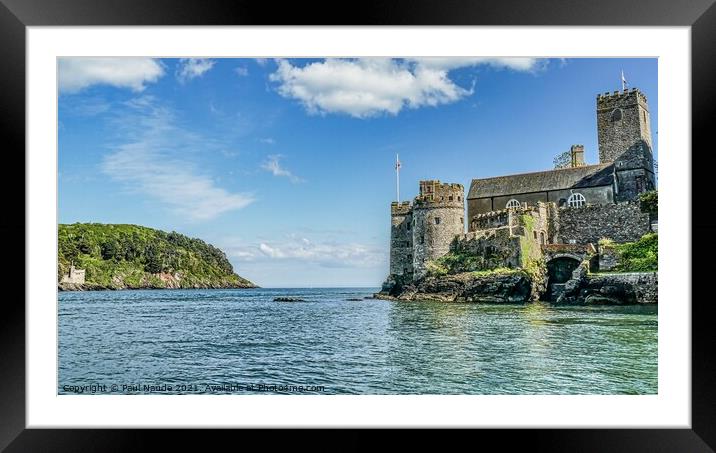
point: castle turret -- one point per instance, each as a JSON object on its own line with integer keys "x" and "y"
{"x": 438, "y": 216}
{"x": 401, "y": 240}
{"x": 622, "y": 120}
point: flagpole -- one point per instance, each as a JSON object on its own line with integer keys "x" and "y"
{"x": 397, "y": 177}
{"x": 623, "y": 81}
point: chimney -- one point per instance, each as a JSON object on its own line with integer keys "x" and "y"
{"x": 577, "y": 152}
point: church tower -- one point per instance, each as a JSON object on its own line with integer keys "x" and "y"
{"x": 622, "y": 121}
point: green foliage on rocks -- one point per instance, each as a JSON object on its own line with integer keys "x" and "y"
{"x": 436, "y": 268}
{"x": 638, "y": 256}
{"x": 496, "y": 271}
{"x": 649, "y": 202}
{"x": 455, "y": 263}
{"x": 131, "y": 256}
{"x": 528, "y": 221}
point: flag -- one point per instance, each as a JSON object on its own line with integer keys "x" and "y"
{"x": 397, "y": 163}
{"x": 624, "y": 82}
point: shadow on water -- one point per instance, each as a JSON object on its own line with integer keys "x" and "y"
{"x": 522, "y": 349}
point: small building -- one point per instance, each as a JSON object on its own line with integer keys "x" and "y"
{"x": 74, "y": 275}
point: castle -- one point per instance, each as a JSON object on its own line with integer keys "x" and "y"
{"x": 556, "y": 215}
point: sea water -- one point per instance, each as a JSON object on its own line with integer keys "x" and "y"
{"x": 240, "y": 341}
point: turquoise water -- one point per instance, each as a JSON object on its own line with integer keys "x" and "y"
{"x": 240, "y": 341}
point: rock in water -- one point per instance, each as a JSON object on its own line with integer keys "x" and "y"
{"x": 497, "y": 288}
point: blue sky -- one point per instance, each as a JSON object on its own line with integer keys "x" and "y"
{"x": 288, "y": 165}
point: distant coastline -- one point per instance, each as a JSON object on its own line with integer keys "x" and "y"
{"x": 95, "y": 257}
{"x": 96, "y": 287}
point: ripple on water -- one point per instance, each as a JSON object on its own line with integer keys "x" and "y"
{"x": 368, "y": 347}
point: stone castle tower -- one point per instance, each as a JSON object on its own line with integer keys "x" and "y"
{"x": 438, "y": 216}
{"x": 622, "y": 121}
{"x": 423, "y": 230}
{"x": 401, "y": 240}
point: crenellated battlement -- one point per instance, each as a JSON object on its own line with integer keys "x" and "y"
{"x": 434, "y": 193}
{"x": 400, "y": 208}
{"x": 621, "y": 99}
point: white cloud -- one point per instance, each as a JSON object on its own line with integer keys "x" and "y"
{"x": 191, "y": 68}
{"x": 241, "y": 71}
{"x": 367, "y": 87}
{"x": 267, "y": 140}
{"x": 273, "y": 165}
{"x": 324, "y": 253}
{"x": 450, "y": 63}
{"x": 77, "y": 73}
{"x": 153, "y": 162}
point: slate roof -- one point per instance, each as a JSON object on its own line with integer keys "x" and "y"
{"x": 565, "y": 178}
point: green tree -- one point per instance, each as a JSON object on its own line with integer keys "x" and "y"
{"x": 562, "y": 160}
{"x": 153, "y": 260}
{"x": 110, "y": 250}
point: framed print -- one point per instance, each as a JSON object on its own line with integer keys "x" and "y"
{"x": 235, "y": 223}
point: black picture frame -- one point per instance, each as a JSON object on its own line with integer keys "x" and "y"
{"x": 700, "y": 15}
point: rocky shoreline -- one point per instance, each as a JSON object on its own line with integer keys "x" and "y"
{"x": 173, "y": 285}
{"x": 632, "y": 288}
{"x": 584, "y": 288}
{"x": 509, "y": 288}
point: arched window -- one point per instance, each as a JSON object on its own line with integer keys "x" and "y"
{"x": 616, "y": 115}
{"x": 512, "y": 204}
{"x": 576, "y": 200}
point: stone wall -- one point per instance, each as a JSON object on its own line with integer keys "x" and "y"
{"x": 608, "y": 258}
{"x": 401, "y": 239}
{"x": 623, "y": 222}
{"x": 541, "y": 214}
{"x": 495, "y": 248}
{"x": 622, "y": 120}
{"x": 634, "y": 171}
{"x": 489, "y": 220}
{"x": 541, "y": 227}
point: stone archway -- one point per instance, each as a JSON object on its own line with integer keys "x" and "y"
{"x": 559, "y": 271}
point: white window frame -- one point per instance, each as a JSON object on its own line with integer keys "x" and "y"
{"x": 576, "y": 200}
{"x": 513, "y": 202}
